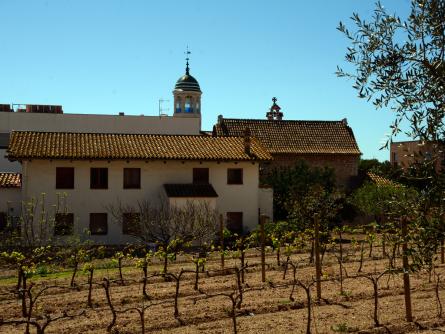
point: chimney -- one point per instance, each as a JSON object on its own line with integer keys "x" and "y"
{"x": 247, "y": 142}
{"x": 220, "y": 119}
{"x": 344, "y": 121}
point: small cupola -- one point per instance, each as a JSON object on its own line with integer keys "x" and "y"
{"x": 187, "y": 94}
{"x": 274, "y": 113}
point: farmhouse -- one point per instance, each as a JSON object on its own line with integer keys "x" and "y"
{"x": 98, "y": 170}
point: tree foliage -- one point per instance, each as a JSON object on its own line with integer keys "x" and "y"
{"x": 384, "y": 169}
{"x": 295, "y": 182}
{"x": 399, "y": 63}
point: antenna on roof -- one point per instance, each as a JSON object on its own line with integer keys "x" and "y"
{"x": 187, "y": 53}
{"x": 163, "y": 111}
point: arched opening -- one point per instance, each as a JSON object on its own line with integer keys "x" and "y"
{"x": 188, "y": 104}
{"x": 178, "y": 105}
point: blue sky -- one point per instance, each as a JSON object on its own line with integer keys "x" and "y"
{"x": 123, "y": 56}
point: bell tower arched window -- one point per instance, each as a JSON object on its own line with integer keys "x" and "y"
{"x": 178, "y": 105}
{"x": 188, "y": 105}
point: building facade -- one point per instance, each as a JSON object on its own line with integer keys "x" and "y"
{"x": 319, "y": 143}
{"x": 404, "y": 154}
{"x": 96, "y": 172}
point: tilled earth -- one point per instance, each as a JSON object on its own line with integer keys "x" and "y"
{"x": 266, "y": 307}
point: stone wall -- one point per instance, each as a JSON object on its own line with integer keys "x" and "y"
{"x": 345, "y": 165}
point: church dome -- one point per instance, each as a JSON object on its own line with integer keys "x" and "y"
{"x": 187, "y": 83}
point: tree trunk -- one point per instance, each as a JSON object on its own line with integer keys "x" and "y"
{"x": 311, "y": 256}
{"x": 144, "y": 282}
{"x": 317, "y": 256}
{"x": 286, "y": 266}
{"x": 176, "y": 298}
{"x": 90, "y": 288}
{"x": 308, "y": 296}
{"x": 376, "y": 302}
{"x": 235, "y": 330}
{"x": 119, "y": 261}
{"x": 341, "y": 245}
{"x": 221, "y": 239}
{"x": 263, "y": 249}
{"x": 19, "y": 279}
{"x": 23, "y": 294}
{"x": 439, "y": 303}
{"x": 240, "y": 286}
{"x": 165, "y": 266}
{"x": 362, "y": 252}
{"x": 242, "y": 264}
{"x": 384, "y": 245}
{"x": 106, "y": 286}
{"x": 341, "y": 275}
{"x": 406, "y": 283}
{"x": 442, "y": 252}
{"x": 73, "y": 276}
{"x": 195, "y": 287}
{"x": 141, "y": 315}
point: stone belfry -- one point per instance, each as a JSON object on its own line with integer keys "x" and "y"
{"x": 187, "y": 94}
{"x": 274, "y": 113}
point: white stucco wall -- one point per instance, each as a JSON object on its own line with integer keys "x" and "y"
{"x": 98, "y": 123}
{"x": 39, "y": 176}
{"x": 8, "y": 166}
{"x": 265, "y": 201}
{"x": 182, "y": 202}
{"x": 10, "y": 198}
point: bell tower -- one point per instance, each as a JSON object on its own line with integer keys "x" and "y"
{"x": 187, "y": 94}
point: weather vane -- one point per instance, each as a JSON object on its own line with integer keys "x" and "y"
{"x": 187, "y": 52}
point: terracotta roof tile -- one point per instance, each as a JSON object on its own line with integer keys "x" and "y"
{"x": 295, "y": 137}
{"x": 380, "y": 180}
{"x": 10, "y": 180}
{"x": 91, "y": 146}
{"x": 190, "y": 190}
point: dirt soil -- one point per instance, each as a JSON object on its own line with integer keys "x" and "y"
{"x": 266, "y": 308}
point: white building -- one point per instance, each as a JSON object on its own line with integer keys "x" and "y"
{"x": 97, "y": 170}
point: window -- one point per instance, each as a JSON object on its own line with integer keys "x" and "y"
{"x": 132, "y": 178}
{"x": 99, "y": 178}
{"x": 200, "y": 175}
{"x": 234, "y": 176}
{"x": 188, "y": 104}
{"x": 64, "y": 178}
{"x": 131, "y": 223}
{"x": 178, "y": 105}
{"x": 235, "y": 222}
{"x": 98, "y": 223}
{"x": 394, "y": 159}
{"x": 3, "y": 221}
{"x": 64, "y": 224}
